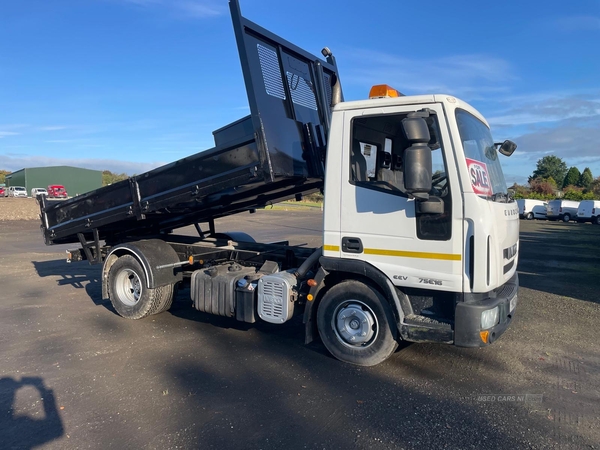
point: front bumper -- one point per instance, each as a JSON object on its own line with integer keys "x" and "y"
{"x": 467, "y": 323}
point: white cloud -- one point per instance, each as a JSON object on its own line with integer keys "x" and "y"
{"x": 8, "y": 129}
{"x": 569, "y": 139}
{"x": 578, "y": 23}
{"x": 182, "y": 9}
{"x": 143, "y": 2}
{"x": 544, "y": 110}
{"x": 464, "y": 75}
{"x": 196, "y": 9}
{"x": 15, "y": 162}
{"x": 53, "y": 128}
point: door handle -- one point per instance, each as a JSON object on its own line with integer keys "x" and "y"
{"x": 352, "y": 245}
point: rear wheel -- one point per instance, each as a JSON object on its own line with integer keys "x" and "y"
{"x": 128, "y": 292}
{"x": 567, "y": 218}
{"x": 355, "y": 324}
{"x": 597, "y": 220}
{"x": 529, "y": 216}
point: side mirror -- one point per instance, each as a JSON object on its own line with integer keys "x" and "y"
{"x": 417, "y": 158}
{"x": 507, "y": 147}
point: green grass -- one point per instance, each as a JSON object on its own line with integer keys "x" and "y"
{"x": 295, "y": 206}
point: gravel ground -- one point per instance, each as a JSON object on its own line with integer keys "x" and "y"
{"x": 29, "y": 209}
{"x": 75, "y": 375}
{"x": 19, "y": 209}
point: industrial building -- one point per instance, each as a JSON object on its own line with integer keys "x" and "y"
{"x": 75, "y": 180}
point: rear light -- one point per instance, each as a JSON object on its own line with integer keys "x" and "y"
{"x": 560, "y": 209}
{"x": 593, "y": 210}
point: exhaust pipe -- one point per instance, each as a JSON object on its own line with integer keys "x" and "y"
{"x": 336, "y": 86}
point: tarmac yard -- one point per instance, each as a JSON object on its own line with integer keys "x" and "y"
{"x": 73, "y": 374}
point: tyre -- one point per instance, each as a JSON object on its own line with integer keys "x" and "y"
{"x": 566, "y": 218}
{"x": 596, "y": 220}
{"x": 529, "y": 216}
{"x": 128, "y": 292}
{"x": 356, "y": 324}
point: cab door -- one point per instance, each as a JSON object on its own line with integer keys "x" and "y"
{"x": 379, "y": 222}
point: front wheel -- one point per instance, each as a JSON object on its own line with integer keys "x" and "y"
{"x": 566, "y": 218}
{"x": 355, "y": 323}
{"x": 128, "y": 292}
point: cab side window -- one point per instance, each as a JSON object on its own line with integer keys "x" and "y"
{"x": 378, "y": 145}
{"x": 376, "y": 157}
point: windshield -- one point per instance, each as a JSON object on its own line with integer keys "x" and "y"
{"x": 484, "y": 167}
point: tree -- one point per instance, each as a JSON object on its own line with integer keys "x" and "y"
{"x": 520, "y": 191}
{"x": 550, "y": 166}
{"x": 542, "y": 187}
{"x": 3, "y": 174}
{"x": 595, "y": 188}
{"x": 572, "y": 192}
{"x": 109, "y": 178}
{"x": 586, "y": 178}
{"x": 572, "y": 178}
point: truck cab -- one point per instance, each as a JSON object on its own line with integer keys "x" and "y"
{"x": 449, "y": 250}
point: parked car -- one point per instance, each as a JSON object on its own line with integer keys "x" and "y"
{"x": 35, "y": 192}
{"x": 565, "y": 210}
{"x": 589, "y": 211}
{"x": 3, "y": 192}
{"x": 57, "y": 191}
{"x": 531, "y": 209}
{"x": 17, "y": 191}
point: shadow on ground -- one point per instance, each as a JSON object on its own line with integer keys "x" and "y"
{"x": 18, "y": 429}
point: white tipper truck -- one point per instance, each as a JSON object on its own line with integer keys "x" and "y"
{"x": 420, "y": 236}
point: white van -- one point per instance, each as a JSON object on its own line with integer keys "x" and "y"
{"x": 565, "y": 210}
{"x": 589, "y": 211}
{"x": 35, "y": 192}
{"x": 17, "y": 191}
{"x": 531, "y": 209}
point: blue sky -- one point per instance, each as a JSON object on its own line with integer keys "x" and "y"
{"x": 128, "y": 85}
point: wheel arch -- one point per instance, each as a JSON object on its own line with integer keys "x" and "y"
{"x": 150, "y": 253}
{"x": 333, "y": 271}
{"x": 237, "y": 236}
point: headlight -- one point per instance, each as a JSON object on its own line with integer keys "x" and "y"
{"x": 489, "y": 318}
